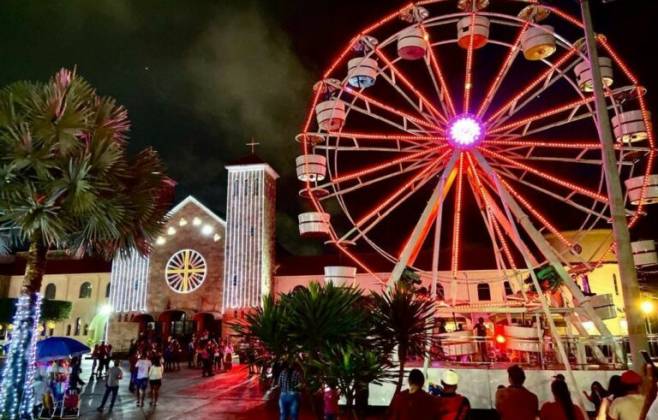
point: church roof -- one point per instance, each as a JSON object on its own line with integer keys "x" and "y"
{"x": 190, "y": 199}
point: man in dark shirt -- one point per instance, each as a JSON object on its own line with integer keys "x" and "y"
{"x": 515, "y": 402}
{"x": 414, "y": 403}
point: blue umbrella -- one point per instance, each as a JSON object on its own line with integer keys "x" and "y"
{"x": 53, "y": 348}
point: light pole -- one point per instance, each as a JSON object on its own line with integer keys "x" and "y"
{"x": 636, "y": 332}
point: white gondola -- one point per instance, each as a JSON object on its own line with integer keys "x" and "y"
{"x": 330, "y": 114}
{"x": 411, "y": 44}
{"x": 362, "y": 72}
{"x": 644, "y": 253}
{"x": 476, "y": 25}
{"x": 634, "y": 189}
{"x": 538, "y": 42}
{"x": 311, "y": 168}
{"x": 629, "y": 127}
{"x": 314, "y": 223}
{"x": 339, "y": 275}
{"x": 583, "y": 72}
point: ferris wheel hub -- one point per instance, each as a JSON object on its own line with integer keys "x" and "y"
{"x": 465, "y": 131}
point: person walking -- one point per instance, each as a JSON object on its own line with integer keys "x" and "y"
{"x": 289, "y": 386}
{"x": 155, "y": 380}
{"x": 452, "y": 406}
{"x": 562, "y": 408}
{"x": 142, "y": 366}
{"x": 94, "y": 357}
{"x": 114, "y": 375}
{"x": 76, "y": 371}
{"x": 515, "y": 402}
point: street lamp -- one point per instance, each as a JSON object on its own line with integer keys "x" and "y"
{"x": 647, "y": 308}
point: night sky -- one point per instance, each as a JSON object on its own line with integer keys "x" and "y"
{"x": 200, "y": 78}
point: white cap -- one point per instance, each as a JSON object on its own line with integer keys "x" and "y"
{"x": 450, "y": 377}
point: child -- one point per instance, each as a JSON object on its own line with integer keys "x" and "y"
{"x": 331, "y": 402}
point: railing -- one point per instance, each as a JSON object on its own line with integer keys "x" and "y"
{"x": 466, "y": 350}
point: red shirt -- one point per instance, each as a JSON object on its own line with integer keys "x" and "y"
{"x": 417, "y": 406}
{"x": 554, "y": 411}
{"x": 516, "y": 403}
{"x": 330, "y": 401}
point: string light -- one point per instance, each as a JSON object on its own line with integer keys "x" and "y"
{"x": 375, "y": 168}
{"x": 16, "y": 393}
{"x": 468, "y": 78}
{"x": 129, "y": 282}
{"x": 568, "y": 54}
{"x": 406, "y": 81}
{"x": 495, "y": 84}
{"x": 457, "y": 217}
{"x": 549, "y": 177}
{"x": 434, "y": 63}
{"x": 541, "y": 115}
{"x": 382, "y": 136}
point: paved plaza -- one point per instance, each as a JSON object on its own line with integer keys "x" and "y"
{"x": 184, "y": 395}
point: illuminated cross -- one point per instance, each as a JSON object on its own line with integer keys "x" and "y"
{"x": 187, "y": 271}
{"x": 253, "y": 145}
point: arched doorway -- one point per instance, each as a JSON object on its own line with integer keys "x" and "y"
{"x": 209, "y": 322}
{"x": 174, "y": 323}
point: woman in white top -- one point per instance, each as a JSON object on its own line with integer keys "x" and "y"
{"x": 155, "y": 379}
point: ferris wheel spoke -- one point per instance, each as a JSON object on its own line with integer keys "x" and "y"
{"x": 566, "y": 199}
{"x": 545, "y": 77}
{"x": 423, "y": 102}
{"x": 362, "y": 184}
{"x": 403, "y": 126}
{"x": 371, "y": 102}
{"x": 468, "y": 77}
{"x": 437, "y": 73}
{"x": 414, "y": 242}
{"x": 554, "y": 179}
{"x": 578, "y": 159}
{"x": 502, "y": 72}
{"x": 572, "y": 107}
{"x": 395, "y": 199}
{"x": 420, "y": 155}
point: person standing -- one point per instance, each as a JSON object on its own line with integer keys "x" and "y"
{"x": 228, "y": 354}
{"x": 452, "y": 406}
{"x": 414, "y": 403}
{"x": 114, "y": 375}
{"x": 155, "y": 380}
{"x": 515, "y": 402}
{"x": 142, "y": 366}
{"x": 330, "y": 399}
{"x": 628, "y": 407}
{"x": 598, "y": 394}
{"x": 94, "y": 357}
{"x": 288, "y": 384}
{"x": 562, "y": 408}
{"x": 481, "y": 334}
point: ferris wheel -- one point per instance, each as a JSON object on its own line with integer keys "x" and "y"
{"x": 446, "y": 115}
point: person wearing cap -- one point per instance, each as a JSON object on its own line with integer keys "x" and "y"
{"x": 452, "y": 406}
{"x": 515, "y": 402}
{"x": 414, "y": 403}
{"x": 628, "y": 407}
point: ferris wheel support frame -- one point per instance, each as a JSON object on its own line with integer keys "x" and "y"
{"x": 637, "y": 337}
{"x": 512, "y": 208}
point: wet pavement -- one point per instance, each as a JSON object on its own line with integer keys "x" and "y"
{"x": 184, "y": 395}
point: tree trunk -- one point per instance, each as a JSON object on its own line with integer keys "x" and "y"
{"x": 402, "y": 359}
{"x": 16, "y": 390}
{"x": 35, "y": 267}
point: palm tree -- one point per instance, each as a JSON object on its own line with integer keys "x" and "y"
{"x": 402, "y": 320}
{"x": 67, "y": 183}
